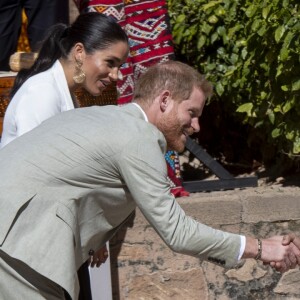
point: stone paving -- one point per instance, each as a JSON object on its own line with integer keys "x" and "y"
{"x": 143, "y": 267}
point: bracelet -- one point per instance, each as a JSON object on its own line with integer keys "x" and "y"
{"x": 258, "y": 256}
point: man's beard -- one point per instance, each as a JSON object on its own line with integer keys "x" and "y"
{"x": 171, "y": 129}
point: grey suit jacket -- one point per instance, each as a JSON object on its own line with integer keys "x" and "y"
{"x": 67, "y": 186}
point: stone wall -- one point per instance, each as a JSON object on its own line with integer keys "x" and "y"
{"x": 143, "y": 267}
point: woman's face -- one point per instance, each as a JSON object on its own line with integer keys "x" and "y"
{"x": 101, "y": 68}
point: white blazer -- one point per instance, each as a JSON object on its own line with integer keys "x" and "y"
{"x": 49, "y": 95}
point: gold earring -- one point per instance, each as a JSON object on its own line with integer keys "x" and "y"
{"x": 79, "y": 76}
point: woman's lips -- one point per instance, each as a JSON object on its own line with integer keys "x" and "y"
{"x": 103, "y": 84}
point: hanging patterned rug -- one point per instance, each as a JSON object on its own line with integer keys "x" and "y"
{"x": 147, "y": 26}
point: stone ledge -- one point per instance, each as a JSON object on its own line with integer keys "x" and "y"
{"x": 213, "y": 210}
{"x": 248, "y": 206}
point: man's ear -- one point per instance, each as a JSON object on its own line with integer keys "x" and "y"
{"x": 164, "y": 100}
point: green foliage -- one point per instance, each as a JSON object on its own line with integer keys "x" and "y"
{"x": 250, "y": 50}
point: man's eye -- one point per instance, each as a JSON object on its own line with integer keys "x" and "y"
{"x": 110, "y": 63}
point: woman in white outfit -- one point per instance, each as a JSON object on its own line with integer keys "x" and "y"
{"x": 87, "y": 54}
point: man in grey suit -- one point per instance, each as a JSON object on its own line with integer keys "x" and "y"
{"x": 68, "y": 185}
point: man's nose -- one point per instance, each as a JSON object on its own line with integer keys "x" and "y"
{"x": 196, "y": 125}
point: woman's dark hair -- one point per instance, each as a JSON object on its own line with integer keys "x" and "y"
{"x": 94, "y": 30}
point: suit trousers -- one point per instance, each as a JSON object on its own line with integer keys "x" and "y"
{"x": 19, "y": 281}
{"x": 41, "y": 14}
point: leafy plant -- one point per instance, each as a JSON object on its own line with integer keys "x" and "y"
{"x": 250, "y": 50}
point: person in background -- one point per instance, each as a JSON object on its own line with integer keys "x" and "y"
{"x": 291, "y": 237}
{"x": 87, "y": 54}
{"x": 41, "y": 14}
{"x": 69, "y": 184}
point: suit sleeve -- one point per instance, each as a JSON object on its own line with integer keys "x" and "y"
{"x": 143, "y": 169}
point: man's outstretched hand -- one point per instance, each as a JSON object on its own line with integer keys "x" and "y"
{"x": 292, "y": 260}
{"x": 280, "y": 252}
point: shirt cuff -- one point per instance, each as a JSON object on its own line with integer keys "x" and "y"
{"x": 243, "y": 245}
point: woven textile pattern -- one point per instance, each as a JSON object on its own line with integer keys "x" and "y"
{"x": 174, "y": 174}
{"x": 146, "y": 25}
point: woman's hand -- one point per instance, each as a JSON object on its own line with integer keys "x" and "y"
{"x": 99, "y": 257}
